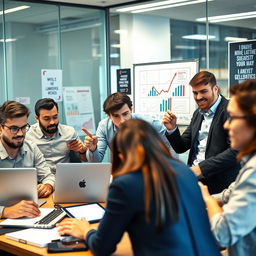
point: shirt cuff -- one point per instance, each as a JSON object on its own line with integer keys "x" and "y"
{"x": 169, "y": 132}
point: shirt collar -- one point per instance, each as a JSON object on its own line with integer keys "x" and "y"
{"x": 245, "y": 159}
{"x": 4, "y": 154}
{"x": 41, "y": 134}
{"x": 212, "y": 109}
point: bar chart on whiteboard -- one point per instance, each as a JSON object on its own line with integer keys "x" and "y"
{"x": 159, "y": 87}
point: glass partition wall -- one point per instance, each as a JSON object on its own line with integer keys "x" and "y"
{"x": 178, "y": 30}
{"x": 51, "y": 36}
{"x": 36, "y": 35}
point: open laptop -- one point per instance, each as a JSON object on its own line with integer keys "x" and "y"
{"x": 17, "y": 184}
{"x": 81, "y": 182}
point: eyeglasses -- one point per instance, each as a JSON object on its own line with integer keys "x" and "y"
{"x": 15, "y": 129}
{"x": 231, "y": 118}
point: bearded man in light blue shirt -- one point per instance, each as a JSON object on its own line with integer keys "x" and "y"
{"x": 58, "y": 142}
{"x": 118, "y": 107}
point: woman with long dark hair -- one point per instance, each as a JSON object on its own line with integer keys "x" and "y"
{"x": 232, "y": 217}
{"x": 153, "y": 197}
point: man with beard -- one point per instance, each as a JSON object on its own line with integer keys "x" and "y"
{"x": 210, "y": 157}
{"x": 15, "y": 151}
{"x": 58, "y": 142}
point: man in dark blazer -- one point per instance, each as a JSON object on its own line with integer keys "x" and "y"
{"x": 210, "y": 157}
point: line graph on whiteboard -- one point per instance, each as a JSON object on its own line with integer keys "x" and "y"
{"x": 160, "y": 87}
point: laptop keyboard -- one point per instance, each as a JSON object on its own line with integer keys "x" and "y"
{"x": 51, "y": 219}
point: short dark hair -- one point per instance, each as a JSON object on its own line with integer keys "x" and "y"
{"x": 45, "y": 103}
{"x": 116, "y": 101}
{"x": 203, "y": 78}
{"x": 12, "y": 109}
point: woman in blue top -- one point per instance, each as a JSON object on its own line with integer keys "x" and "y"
{"x": 232, "y": 216}
{"x": 153, "y": 197}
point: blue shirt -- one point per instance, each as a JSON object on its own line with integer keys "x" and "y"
{"x": 106, "y": 131}
{"x": 235, "y": 227}
{"x": 204, "y": 131}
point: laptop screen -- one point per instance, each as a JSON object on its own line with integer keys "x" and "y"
{"x": 81, "y": 182}
{"x": 17, "y": 184}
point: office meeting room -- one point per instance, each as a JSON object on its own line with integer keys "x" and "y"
{"x": 128, "y": 127}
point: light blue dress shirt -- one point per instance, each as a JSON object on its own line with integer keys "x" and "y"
{"x": 106, "y": 131}
{"x": 204, "y": 131}
{"x": 54, "y": 148}
{"x": 235, "y": 227}
{"x": 29, "y": 156}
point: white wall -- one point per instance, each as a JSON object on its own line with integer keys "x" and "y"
{"x": 143, "y": 39}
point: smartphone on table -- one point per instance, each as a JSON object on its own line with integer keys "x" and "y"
{"x": 67, "y": 244}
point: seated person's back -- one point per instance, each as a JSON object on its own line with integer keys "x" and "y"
{"x": 153, "y": 197}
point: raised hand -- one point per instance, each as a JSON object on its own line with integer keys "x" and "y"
{"x": 169, "y": 120}
{"x": 90, "y": 140}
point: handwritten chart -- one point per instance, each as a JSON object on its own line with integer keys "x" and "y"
{"x": 162, "y": 86}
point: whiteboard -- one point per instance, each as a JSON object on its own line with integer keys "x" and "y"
{"x": 162, "y": 86}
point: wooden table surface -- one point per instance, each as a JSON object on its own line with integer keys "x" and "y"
{"x": 17, "y": 248}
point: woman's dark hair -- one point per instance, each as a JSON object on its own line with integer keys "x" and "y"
{"x": 116, "y": 101}
{"x": 45, "y": 103}
{"x": 12, "y": 109}
{"x": 245, "y": 96}
{"x": 143, "y": 150}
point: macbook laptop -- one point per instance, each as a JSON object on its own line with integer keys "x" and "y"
{"x": 17, "y": 184}
{"x": 81, "y": 182}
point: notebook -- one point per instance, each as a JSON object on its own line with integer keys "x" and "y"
{"x": 81, "y": 182}
{"x": 36, "y": 237}
{"x": 17, "y": 184}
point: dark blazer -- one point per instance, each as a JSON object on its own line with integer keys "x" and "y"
{"x": 220, "y": 166}
{"x": 190, "y": 236}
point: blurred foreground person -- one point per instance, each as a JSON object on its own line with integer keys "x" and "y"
{"x": 153, "y": 197}
{"x": 233, "y": 215}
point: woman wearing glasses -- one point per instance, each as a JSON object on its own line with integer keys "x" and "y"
{"x": 232, "y": 216}
{"x": 153, "y": 197}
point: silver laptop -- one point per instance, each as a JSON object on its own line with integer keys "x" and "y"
{"x": 81, "y": 182}
{"x": 17, "y": 184}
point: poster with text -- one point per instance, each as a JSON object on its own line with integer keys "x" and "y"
{"x": 159, "y": 87}
{"x": 52, "y": 84}
{"x": 79, "y": 108}
{"x": 123, "y": 80}
{"x": 242, "y": 61}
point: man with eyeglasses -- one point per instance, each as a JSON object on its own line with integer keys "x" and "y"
{"x": 210, "y": 156}
{"x": 58, "y": 142}
{"x": 16, "y": 151}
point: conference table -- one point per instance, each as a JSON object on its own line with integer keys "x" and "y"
{"x": 17, "y": 248}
